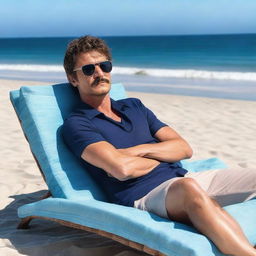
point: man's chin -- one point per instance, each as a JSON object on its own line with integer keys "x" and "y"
{"x": 102, "y": 92}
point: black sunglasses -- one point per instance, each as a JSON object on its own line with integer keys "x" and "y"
{"x": 88, "y": 70}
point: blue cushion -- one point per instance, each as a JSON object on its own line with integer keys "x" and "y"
{"x": 78, "y": 199}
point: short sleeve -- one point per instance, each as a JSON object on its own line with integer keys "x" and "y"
{"x": 78, "y": 133}
{"x": 154, "y": 123}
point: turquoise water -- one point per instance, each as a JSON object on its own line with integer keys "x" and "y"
{"x": 211, "y": 62}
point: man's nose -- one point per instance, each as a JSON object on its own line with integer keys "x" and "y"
{"x": 98, "y": 71}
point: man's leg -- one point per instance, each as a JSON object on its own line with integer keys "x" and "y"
{"x": 187, "y": 202}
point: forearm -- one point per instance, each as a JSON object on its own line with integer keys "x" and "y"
{"x": 136, "y": 166}
{"x": 166, "y": 151}
{"x": 117, "y": 164}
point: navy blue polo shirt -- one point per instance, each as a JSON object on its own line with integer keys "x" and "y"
{"x": 138, "y": 125}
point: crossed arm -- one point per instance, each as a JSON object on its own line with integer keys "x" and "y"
{"x": 139, "y": 160}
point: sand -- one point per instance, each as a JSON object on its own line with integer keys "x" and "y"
{"x": 213, "y": 127}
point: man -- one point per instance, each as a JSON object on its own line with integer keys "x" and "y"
{"x": 135, "y": 157}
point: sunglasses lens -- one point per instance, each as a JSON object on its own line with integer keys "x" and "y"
{"x": 106, "y": 66}
{"x": 88, "y": 69}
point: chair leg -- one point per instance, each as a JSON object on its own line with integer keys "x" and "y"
{"x": 24, "y": 224}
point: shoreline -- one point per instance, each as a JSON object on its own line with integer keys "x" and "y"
{"x": 222, "y": 128}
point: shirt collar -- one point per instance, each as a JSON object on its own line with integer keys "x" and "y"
{"x": 119, "y": 105}
{"x": 91, "y": 112}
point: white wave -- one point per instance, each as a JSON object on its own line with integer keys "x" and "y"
{"x": 32, "y": 68}
{"x": 175, "y": 73}
{"x": 187, "y": 73}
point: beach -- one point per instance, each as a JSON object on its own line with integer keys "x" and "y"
{"x": 222, "y": 128}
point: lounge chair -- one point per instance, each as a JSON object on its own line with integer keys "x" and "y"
{"x": 75, "y": 200}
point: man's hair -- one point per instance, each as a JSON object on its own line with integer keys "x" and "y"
{"x": 83, "y": 44}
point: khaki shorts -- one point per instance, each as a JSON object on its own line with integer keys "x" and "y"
{"x": 225, "y": 186}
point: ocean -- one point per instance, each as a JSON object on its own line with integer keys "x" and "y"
{"x": 222, "y": 66}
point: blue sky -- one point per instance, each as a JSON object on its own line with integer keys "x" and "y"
{"x": 40, "y": 18}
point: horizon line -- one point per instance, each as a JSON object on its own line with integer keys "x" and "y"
{"x": 149, "y": 35}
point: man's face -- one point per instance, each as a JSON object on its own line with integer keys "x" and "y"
{"x": 98, "y": 84}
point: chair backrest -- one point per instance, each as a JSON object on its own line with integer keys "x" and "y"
{"x": 41, "y": 110}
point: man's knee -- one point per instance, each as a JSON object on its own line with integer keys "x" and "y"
{"x": 184, "y": 195}
{"x": 189, "y": 192}
{"x": 186, "y": 186}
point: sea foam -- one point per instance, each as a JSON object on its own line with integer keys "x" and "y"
{"x": 187, "y": 73}
{"x": 176, "y": 73}
{"x": 32, "y": 68}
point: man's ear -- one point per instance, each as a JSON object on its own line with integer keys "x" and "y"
{"x": 72, "y": 80}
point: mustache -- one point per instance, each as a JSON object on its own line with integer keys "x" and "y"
{"x": 100, "y": 79}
